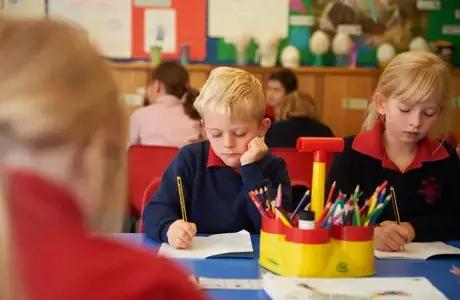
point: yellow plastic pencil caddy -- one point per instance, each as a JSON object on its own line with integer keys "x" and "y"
{"x": 340, "y": 251}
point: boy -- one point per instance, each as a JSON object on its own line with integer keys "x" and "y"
{"x": 218, "y": 174}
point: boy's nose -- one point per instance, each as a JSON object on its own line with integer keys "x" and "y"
{"x": 229, "y": 142}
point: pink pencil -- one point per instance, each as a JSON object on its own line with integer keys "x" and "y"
{"x": 278, "y": 199}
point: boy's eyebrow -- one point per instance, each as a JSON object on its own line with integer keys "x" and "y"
{"x": 237, "y": 128}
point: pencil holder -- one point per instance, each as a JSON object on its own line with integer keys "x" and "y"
{"x": 271, "y": 244}
{"x": 306, "y": 252}
{"x": 338, "y": 252}
{"x": 353, "y": 251}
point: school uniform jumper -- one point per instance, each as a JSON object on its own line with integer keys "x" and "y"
{"x": 284, "y": 133}
{"x": 216, "y": 196}
{"x": 57, "y": 257}
{"x": 427, "y": 192}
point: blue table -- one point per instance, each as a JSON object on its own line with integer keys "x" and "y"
{"x": 437, "y": 270}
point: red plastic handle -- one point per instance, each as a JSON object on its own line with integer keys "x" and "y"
{"x": 327, "y": 145}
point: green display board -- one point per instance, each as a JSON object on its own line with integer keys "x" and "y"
{"x": 447, "y": 15}
{"x": 299, "y": 36}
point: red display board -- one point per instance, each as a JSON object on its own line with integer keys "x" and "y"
{"x": 190, "y": 29}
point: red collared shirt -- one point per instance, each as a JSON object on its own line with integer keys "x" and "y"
{"x": 59, "y": 259}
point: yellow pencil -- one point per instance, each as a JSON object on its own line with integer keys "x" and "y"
{"x": 395, "y": 207}
{"x": 181, "y": 198}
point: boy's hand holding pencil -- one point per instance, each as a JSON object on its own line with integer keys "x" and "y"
{"x": 181, "y": 233}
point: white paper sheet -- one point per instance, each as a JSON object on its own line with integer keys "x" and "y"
{"x": 208, "y": 246}
{"x": 229, "y": 284}
{"x": 107, "y": 22}
{"x": 160, "y": 22}
{"x": 414, "y": 288}
{"x": 420, "y": 251}
{"x": 227, "y": 18}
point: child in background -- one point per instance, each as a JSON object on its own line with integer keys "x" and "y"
{"x": 295, "y": 112}
{"x": 63, "y": 145}
{"x": 411, "y": 97}
{"x": 217, "y": 175}
{"x": 296, "y": 121}
{"x": 169, "y": 120}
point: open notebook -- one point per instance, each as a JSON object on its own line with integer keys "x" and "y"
{"x": 391, "y": 288}
{"x": 236, "y": 244}
{"x": 420, "y": 251}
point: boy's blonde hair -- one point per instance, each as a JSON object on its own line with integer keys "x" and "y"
{"x": 413, "y": 77}
{"x": 233, "y": 92}
{"x": 56, "y": 90}
{"x": 296, "y": 104}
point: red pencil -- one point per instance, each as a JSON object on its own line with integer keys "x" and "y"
{"x": 256, "y": 202}
{"x": 331, "y": 192}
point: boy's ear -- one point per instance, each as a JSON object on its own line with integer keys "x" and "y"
{"x": 264, "y": 126}
{"x": 202, "y": 123}
{"x": 380, "y": 103}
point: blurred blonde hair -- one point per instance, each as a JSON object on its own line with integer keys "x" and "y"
{"x": 232, "y": 92}
{"x": 56, "y": 90}
{"x": 296, "y": 104}
{"x": 413, "y": 77}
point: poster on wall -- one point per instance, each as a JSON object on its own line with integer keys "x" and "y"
{"x": 160, "y": 29}
{"x": 23, "y": 8}
{"x": 108, "y": 23}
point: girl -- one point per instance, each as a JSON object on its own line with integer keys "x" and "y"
{"x": 170, "y": 119}
{"x": 62, "y": 150}
{"x": 412, "y": 96}
{"x": 295, "y": 112}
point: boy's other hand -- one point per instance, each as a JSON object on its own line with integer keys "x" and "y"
{"x": 392, "y": 237}
{"x": 180, "y": 234}
{"x": 257, "y": 149}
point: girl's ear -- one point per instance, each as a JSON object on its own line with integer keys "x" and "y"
{"x": 381, "y": 103}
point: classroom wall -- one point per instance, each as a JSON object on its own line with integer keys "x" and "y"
{"x": 104, "y": 22}
{"x": 342, "y": 94}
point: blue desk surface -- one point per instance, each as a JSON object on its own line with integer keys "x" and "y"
{"x": 437, "y": 270}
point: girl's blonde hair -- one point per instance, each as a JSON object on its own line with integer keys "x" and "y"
{"x": 56, "y": 90}
{"x": 296, "y": 104}
{"x": 414, "y": 77}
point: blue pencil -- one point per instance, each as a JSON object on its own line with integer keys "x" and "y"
{"x": 331, "y": 212}
{"x": 301, "y": 203}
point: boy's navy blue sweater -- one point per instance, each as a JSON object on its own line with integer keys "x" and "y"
{"x": 216, "y": 196}
{"x": 427, "y": 192}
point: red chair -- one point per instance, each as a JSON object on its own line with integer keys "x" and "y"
{"x": 146, "y": 164}
{"x": 299, "y": 164}
{"x": 148, "y": 193}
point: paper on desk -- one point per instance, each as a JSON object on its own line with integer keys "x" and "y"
{"x": 409, "y": 288}
{"x": 203, "y": 247}
{"x": 419, "y": 251}
{"x": 229, "y": 284}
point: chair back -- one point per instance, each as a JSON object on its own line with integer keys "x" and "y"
{"x": 146, "y": 163}
{"x": 299, "y": 164}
